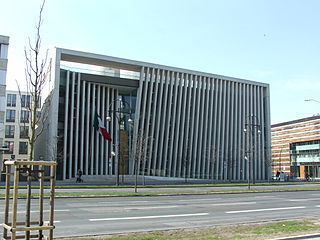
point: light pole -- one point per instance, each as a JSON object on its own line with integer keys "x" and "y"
{"x": 311, "y": 100}
{"x": 118, "y": 114}
{"x": 251, "y": 127}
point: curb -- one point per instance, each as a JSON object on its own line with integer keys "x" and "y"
{"x": 307, "y": 236}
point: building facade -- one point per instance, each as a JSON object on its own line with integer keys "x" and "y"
{"x": 17, "y": 125}
{"x": 4, "y": 44}
{"x": 296, "y": 148}
{"x": 163, "y": 121}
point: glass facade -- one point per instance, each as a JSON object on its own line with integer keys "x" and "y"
{"x": 305, "y": 159}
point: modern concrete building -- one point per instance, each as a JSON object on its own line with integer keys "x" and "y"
{"x": 172, "y": 122}
{"x": 4, "y": 44}
{"x": 17, "y": 125}
{"x": 296, "y": 147}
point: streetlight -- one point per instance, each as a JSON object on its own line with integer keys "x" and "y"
{"x": 251, "y": 124}
{"x": 118, "y": 114}
{"x": 311, "y": 100}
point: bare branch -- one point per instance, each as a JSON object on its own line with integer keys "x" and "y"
{"x": 36, "y": 77}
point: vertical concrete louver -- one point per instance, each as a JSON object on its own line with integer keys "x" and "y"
{"x": 196, "y": 122}
{"x": 192, "y": 123}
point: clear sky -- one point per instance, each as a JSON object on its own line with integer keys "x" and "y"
{"x": 271, "y": 41}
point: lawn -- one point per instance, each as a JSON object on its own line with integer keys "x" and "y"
{"x": 253, "y": 231}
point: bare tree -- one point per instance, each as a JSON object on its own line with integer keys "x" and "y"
{"x": 140, "y": 155}
{"x": 36, "y": 77}
{"x": 212, "y": 155}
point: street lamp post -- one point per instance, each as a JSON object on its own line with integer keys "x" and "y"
{"x": 251, "y": 125}
{"x": 312, "y": 100}
{"x": 118, "y": 114}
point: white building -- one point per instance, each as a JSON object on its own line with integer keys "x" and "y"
{"x": 17, "y": 125}
{"x": 189, "y": 124}
{"x": 4, "y": 44}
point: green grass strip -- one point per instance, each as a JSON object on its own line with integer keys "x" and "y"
{"x": 155, "y": 193}
{"x": 252, "y": 231}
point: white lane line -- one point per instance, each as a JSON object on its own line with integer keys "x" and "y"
{"x": 57, "y": 210}
{"x": 193, "y": 200}
{"x": 147, "y": 217}
{"x": 265, "y": 209}
{"x": 144, "y": 208}
{"x": 115, "y": 203}
{"x": 317, "y": 205}
{"x": 235, "y": 203}
{"x": 304, "y": 200}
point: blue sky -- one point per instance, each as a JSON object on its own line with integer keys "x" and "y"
{"x": 271, "y": 41}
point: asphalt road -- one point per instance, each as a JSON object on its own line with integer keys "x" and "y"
{"x": 94, "y": 216}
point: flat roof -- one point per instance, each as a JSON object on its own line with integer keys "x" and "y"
{"x": 306, "y": 119}
{"x": 132, "y": 65}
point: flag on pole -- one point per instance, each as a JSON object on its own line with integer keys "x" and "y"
{"x": 98, "y": 125}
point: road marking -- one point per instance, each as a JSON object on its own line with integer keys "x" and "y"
{"x": 139, "y": 208}
{"x": 318, "y": 206}
{"x": 230, "y": 204}
{"x": 148, "y": 217}
{"x": 304, "y": 200}
{"x": 110, "y": 203}
{"x": 192, "y": 200}
{"x": 56, "y": 210}
{"x": 265, "y": 209}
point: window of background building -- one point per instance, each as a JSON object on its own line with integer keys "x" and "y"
{"x": 10, "y": 145}
{"x": 39, "y": 103}
{"x": 24, "y": 116}
{"x": 38, "y": 115}
{"x": 25, "y": 101}
{"x": 24, "y": 132}
{"x": 10, "y": 115}
{"x": 3, "y": 50}
{"x": 9, "y": 131}
{"x": 23, "y": 148}
{"x": 11, "y": 100}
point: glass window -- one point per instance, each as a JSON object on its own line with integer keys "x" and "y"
{"x": 3, "y": 51}
{"x": 38, "y": 115}
{"x": 24, "y": 116}
{"x": 24, "y": 132}
{"x": 39, "y": 103}
{"x": 25, "y": 101}
{"x": 23, "y": 148}
{"x": 9, "y": 131}
{"x": 10, "y": 145}
{"x": 11, "y": 100}
{"x": 10, "y": 115}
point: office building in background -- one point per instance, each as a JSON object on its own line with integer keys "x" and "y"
{"x": 4, "y": 44}
{"x": 296, "y": 148}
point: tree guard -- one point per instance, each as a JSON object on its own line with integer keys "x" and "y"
{"x": 34, "y": 226}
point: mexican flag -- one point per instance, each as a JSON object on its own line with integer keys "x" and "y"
{"x": 98, "y": 125}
